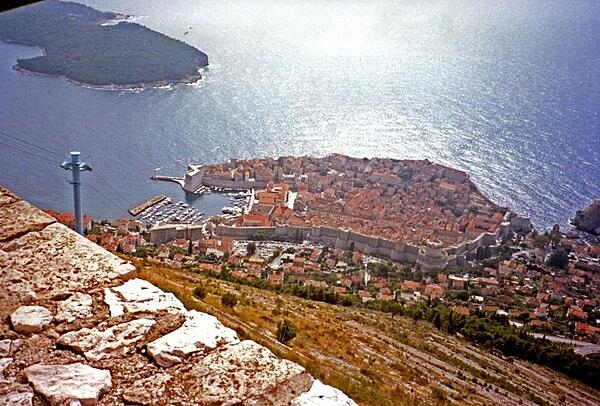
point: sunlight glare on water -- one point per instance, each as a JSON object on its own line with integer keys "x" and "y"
{"x": 506, "y": 90}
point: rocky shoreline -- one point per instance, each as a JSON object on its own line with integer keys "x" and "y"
{"x": 188, "y": 80}
{"x": 99, "y": 50}
{"x": 588, "y": 219}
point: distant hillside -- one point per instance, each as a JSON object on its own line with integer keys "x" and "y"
{"x": 379, "y": 358}
{"x": 80, "y": 49}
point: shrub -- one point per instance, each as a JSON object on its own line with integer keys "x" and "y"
{"x": 200, "y": 292}
{"x": 229, "y": 300}
{"x": 286, "y": 331}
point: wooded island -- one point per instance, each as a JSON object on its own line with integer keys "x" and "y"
{"x": 81, "y": 48}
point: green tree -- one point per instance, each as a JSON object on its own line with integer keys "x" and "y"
{"x": 251, "y": 248}
{"x": 541, "y": 240}
{"x": 558, "y": 259}
{"x": 286, "y": 331}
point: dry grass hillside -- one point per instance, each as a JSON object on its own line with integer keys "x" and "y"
{"x": 375, "y": 359}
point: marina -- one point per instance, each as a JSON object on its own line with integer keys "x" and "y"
{"x": 168, "y": 211}
{"x": 240, "y": 202}
{"x": 160, "y": 210}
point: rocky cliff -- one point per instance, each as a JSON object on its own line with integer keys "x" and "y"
{"x": 78, "y": 327}
{"x": 588, "y": 220}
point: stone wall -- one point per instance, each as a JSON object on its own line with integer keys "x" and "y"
{"x": 78, "y": 327}
{"x": 398, "y": 251}
{"x": 170, "y": 232}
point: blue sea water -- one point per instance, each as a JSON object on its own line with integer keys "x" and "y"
{"x": 507, "y": 90}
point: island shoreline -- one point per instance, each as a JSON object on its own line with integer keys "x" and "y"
{"x": 164, "y": 61}
{"x": 112, "y": 86}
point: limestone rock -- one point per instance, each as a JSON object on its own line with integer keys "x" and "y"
{"x": 7, "y": 197}
{"x": 323, "y": 395}
{"x": 78, "y": 306}
{"x": 200, "y": 332}
{"x": 112, "y": 342}
{"x": 4, "y": 347}
{"x": 30, "y": 319}
{"x": 9, "y": 347}
{"x": 67, "y": 384}
{"x": 19, "y": 218}
{"x": 245, "y": 373}
{"x": 588, "y": 220}
{"x": 137, "y": 295}
{"x": 147, "y": 391}
{"x": 15, "y": 394}
{"x": 4, "y": 362}
{"x": 58, "y": 259}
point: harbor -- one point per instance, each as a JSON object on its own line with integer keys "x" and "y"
{"x": 167, "y": 211}
{"x": 138, "y": 209}
{"x": 240, "y": 200}
{"x": 161, "y": 210}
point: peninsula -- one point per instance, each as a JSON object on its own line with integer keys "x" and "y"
{"x": 98, "y": 49}
{"x": 412, "y": 211}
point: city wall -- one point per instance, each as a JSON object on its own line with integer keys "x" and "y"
{"x": 170, "y": 232}
{"x": 195, "y": 177}
{"x": 346, "y": 239}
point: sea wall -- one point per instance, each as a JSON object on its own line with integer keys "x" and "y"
{"x": 195, "y": 177}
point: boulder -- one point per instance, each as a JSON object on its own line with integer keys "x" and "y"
{"x": 30, "y": 319}
{"x": 200, "y": 332}
{"x": 78, "y": 306}
{"x": 9, "y": 347}
{"x": 243, "y": 373}
{"x": 115, "y": 341}
{"x": 588, "y": 219}
{"x": 323, "y": 395}
{"x": 19, "y": 217}
{"x": 137, "y": 295}
{"x": 4, "y": 362}
{"x": 5, "y": 347}
{"x": 57, "y": 259}
{"x": 69, "y": 384}
{"x": 15, "y": 394}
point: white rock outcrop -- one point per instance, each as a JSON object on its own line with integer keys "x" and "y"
{"x": 246, "y": 373}
{"x": 323, "y": 395}
{"x": 5, "y": 347}
{"x": 44, "y": 263}
{"x": 77, "y": 306}
{"x": 200, "y": 332}
{"x": 69, "y": 384}
{"x": 4, "y": 362}
{"x": 15, "y": 394}
{"x": 115, "y": 341}
{"x": 30, "y": 319}
{"x": 137, "y": 295}
{"x": 56, "y": 259}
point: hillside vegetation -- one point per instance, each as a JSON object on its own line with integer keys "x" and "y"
{"x": 375, "y": 358}
{"x": 79, "y": 48}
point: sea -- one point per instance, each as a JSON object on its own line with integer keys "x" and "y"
{"x": 507, "y": 90}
